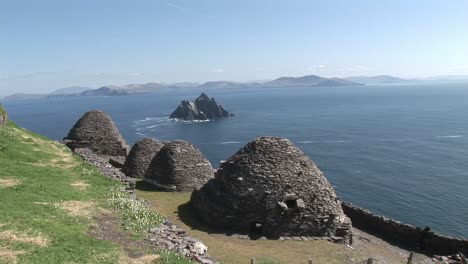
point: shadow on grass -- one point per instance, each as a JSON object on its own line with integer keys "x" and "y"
{"x": 144, "y": 186}
{"x": 184, "y": 211}
{"x": 189, "y": 217}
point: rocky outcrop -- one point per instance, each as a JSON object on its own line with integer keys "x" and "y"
{"x": 3, "y": 117}
{"x": 179, "y": 166}
{"x": 271, "y": 188}
{"x": 203, "y": 108}
{"x": 96, "y": 131}
{"x": 210, "y": 108}
{"x": 188, "y": 111}
{"x": 140, "y": 156}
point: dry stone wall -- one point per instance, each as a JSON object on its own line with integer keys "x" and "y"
{"x": 409, "y": 236}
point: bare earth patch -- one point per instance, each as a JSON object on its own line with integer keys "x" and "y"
{"x": 9, "y": 255}
{"x": 38, "y": 240}
{"x": 108, "y": 226}
{"x": 80, "y": 185}
{"x": 145, "y": 259}
{"x": 77, "y": 208}
{"x": 65, "y": 161}
{"x": 9, "y": 182}
{"x": 65, "y": 157}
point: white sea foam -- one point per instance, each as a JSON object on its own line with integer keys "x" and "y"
{"x": 188, "y": 121}
{"x": 229, "y": 142}
{"x": 452, "y": 136}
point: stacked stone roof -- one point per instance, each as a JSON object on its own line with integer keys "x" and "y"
{"x": 96, "y": 130}
{"x": 140, "y": 156}
{"x": 271, "y": 188}
{"x": 179, "y": 166}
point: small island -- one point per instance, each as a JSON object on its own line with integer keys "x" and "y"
{"x": 203, "y": 108}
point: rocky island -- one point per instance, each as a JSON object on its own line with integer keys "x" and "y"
{"x": 203, "y": 108}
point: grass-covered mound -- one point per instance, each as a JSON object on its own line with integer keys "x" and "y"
{"x": 56, "y": 209}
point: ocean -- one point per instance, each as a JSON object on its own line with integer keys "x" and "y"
{"x": 400, "y": 151}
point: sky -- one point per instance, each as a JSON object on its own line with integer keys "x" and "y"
{"x": 50, "y": 44}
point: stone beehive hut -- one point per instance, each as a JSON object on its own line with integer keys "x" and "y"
{"x": 271, "y": 188}
{"x": 140, "y": 156}
{"x": 97, "y": 131}
{"x": 179, "y": 166}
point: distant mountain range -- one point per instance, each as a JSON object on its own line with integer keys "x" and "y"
{"x": 304, "y": 81}
{"x": 380, "y": 79}
{"x": 113, "y": 90}
{"x": 283, "y": 82}
{"x": 69, "y": 90}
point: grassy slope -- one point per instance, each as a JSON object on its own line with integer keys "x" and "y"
{"x": 44, "y": 171}
{"x": 40, "y": 182}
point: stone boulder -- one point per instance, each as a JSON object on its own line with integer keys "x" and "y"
{"x": 140, "y": 156}
{"x": 179, "y": 166}
{"x": 271, "y": 188}
{"x": 3, "y": 116}
{"x": 96, "y": 130}
{"x": 204, "y": 108}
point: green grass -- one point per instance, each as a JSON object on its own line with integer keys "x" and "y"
{"x": 27, "y": 209}
{"x": 136, "y": 215}
{"x": 169, "y": 257}
{"x": 36, "y": 177}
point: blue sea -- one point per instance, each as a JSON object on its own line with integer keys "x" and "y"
{"x": 400, "y": 151}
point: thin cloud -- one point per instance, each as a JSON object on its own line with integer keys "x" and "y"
{"x": 173, "y": 6}
{"x": 218, "y": 70}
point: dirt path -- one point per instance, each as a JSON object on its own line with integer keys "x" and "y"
{"x": 109, "y": 227}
